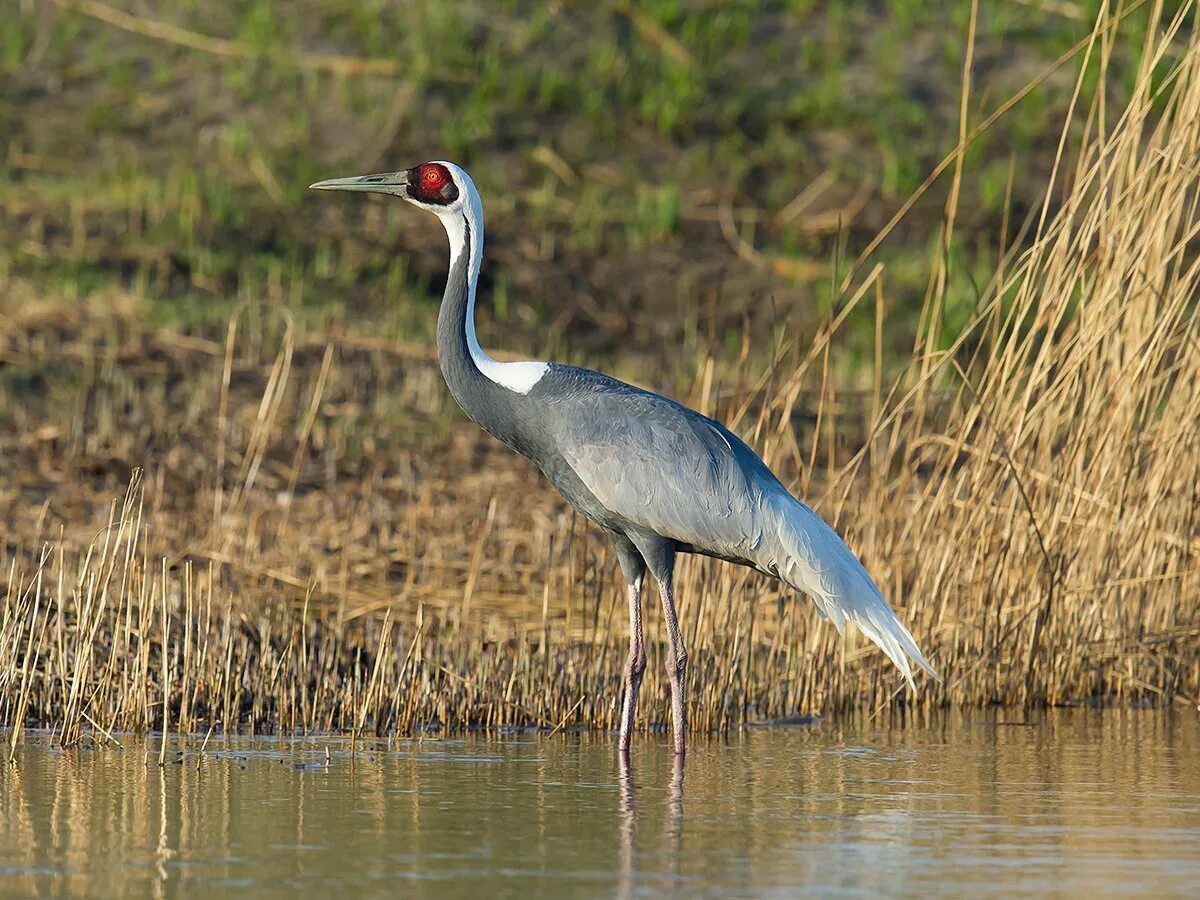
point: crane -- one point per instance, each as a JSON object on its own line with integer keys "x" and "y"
{"x": 658, "y": 478}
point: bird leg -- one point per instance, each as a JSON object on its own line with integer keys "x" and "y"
{"x": 635, "y": 665}
{"x": 676, "y": 666}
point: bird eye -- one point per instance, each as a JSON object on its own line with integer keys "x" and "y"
{"x": 432, "y": 183}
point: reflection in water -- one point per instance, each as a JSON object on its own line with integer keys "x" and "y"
{"x": 629, "y": 823}
{"x": 1079, "y": 802}
{"x": 163, "y": 852}
{"x": 673, "y": 818}
{"x": 628, "y": 826}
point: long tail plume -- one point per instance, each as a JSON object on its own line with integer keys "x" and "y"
{"x": 810, "y": 556}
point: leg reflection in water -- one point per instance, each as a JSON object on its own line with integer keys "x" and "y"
{"x": 628, "y": 826}
{"x": 672, "y": 824}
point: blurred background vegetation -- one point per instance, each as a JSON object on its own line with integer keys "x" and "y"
{"x": 732, "y": 203}
{"x": 687, "y": 173}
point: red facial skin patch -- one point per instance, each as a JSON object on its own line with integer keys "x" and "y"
{"x": 432, "y": 184}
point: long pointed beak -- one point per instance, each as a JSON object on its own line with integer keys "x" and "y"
{"x": 386, "y": 183}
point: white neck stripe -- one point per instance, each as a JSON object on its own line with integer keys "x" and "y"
{"x": 463, "y": 219}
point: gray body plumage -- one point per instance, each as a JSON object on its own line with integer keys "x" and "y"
{"x": 643, "y": 466}
{"x": 658, "y": 477}
{"x": 648, "y": 469}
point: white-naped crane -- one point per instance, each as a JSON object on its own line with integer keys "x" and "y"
{"x": 657, "y": 477}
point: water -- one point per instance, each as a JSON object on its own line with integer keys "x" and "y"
{"x": 1079, "y": 802}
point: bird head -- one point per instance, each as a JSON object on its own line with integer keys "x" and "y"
{"x": 440, "y": 187}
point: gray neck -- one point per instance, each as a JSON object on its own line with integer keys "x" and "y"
{"x": 485, "y": 401}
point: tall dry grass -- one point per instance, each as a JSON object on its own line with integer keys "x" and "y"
{"x": 1028, "y": 498}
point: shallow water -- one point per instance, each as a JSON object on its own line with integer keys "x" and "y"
{"x": 1075, "y": 802}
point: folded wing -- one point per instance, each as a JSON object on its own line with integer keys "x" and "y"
{"x": 683, "y": 476}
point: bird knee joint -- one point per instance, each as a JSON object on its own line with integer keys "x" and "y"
{"x": 679, "y": 663}
{"x": 636, "y": 664}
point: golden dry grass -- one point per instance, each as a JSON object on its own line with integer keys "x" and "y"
{"x": 314, "y": 544}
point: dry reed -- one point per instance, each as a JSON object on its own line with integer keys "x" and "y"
{"x": 295, "y": 556}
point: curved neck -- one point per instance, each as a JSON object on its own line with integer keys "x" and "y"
{"x": 485, "y": 388}
{"x": 490, "y": 392}
{"x": 457, "y": 314}
{"x": 458, "y": 348}
{"x": 464, "y": 228}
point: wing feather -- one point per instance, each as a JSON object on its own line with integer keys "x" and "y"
{"x": 666, "y": 469}
{"x": 681, "y": 475}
